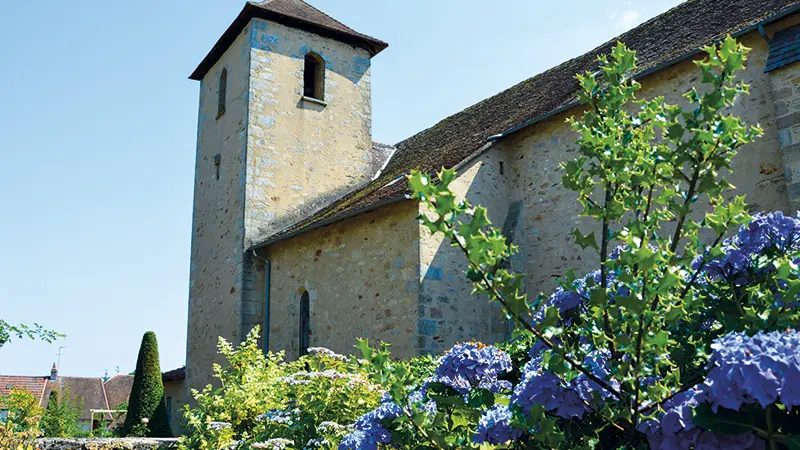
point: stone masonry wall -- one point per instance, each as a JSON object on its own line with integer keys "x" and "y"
{"x": 785, "y": 84}
{"x": 362, "y": 278}
{"x": 218, "y": 219}
{"x": 302, "y": 154}
{"x": 448, "y": 311}
{"x": 526, "y": 197}
{"x": 551, "y": 211}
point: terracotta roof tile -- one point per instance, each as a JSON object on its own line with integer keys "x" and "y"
{"x": 663, "y": 40}
{"x": 34, "y": 385}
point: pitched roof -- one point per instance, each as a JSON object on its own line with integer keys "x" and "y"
{"x": 118, "y": 390}
{"x": 34, "y": 385}
{"x": 88, "y": 390}
{"x": 662, "y": 41}
{"x": 174, "y": 375}
{"x": 293, "y": 13}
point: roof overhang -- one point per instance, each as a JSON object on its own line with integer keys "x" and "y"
{"x": 251, "y": 11}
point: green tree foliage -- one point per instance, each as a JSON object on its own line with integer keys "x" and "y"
{"x": 19, "y": 427}
{"x": 263, "y": 398}
{"x": 62, "y": 418}
{"x": 8, "y": 331}
{"x": 147, "y": 408}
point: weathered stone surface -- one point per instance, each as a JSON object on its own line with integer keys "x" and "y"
{"x": 106, "y": 444}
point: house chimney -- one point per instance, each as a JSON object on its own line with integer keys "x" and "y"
{"x": 53, "y": 373}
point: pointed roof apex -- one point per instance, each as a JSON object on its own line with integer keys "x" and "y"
{"x": 293, "y": 13}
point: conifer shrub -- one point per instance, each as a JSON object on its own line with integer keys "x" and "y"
{"x": 147, "y": 409}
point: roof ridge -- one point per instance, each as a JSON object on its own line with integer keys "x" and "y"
{"x": 105, "y": 397}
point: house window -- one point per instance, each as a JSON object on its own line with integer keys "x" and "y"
{"x": 314, "y": 77}
{"x": 305, "y": 323}
{"x": 223, "y": 92}
{"x": 169, "y": 410}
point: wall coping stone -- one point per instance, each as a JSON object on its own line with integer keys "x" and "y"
{"x": 106, "y": 444}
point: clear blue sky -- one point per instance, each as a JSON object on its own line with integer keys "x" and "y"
{"x": 97, "y": 142}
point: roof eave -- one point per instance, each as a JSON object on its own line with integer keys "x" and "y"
{"x": 250, "y": 12}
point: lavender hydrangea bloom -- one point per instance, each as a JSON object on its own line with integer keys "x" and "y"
{"x": 369, "y": 429}
{"x": 568, "y": 300}
{"x": 771, "y": 229}
{"x": 763, "y": 368}
{"x": 473, "y": 365}
{"x": 494, "y": 428}
{"x": 675, "y": 430}
{"x": 542, "y": 387}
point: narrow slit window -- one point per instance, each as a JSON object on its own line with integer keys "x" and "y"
{"x": 305, "y": 323}
{"x": 223, "y": 92}
{"x": 314, "y": 77}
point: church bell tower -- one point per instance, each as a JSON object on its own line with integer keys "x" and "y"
{"x": 284, "y": 127}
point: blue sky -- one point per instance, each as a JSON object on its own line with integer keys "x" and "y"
{"x": 98, "y": 131}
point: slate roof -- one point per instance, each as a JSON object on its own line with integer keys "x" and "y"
{"x": 34, "y": 385}
{"x": 784, "y": 48}
{"x": 118, "y": 390}
{"x": 664, "y": 40}
{"x": 294, "y": 13}
{"x": 174, "y": 375}
{"x": 88, "y": 390}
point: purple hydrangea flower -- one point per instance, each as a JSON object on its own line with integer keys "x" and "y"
{"x": 473, "y": 365}
{"x": 542, "y": 387}
{"x": 370, "y": 430}
{"x": 764, "y": 368}
{"x": 769, "y": 230}
{"x": 493, "y": 428}
{"x": 675, "y": 430}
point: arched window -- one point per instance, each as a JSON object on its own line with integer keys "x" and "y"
{"x": 223, "y": 91}
{"x": 314, "y": 77}
{"x": 305, "y": 323}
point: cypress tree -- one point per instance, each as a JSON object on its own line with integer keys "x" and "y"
{"x": 147, "y": 395}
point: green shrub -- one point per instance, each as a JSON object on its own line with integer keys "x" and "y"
{"x": 61, "y": 418}
{"x": 264, "y": 397}
{"x": 147, "y": 409}
{"x": 19, "y": 428}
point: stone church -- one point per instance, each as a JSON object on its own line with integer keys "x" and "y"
{"x": 301, "y": 222}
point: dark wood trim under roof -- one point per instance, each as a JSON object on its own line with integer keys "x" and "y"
{"x": 325, "y": 26}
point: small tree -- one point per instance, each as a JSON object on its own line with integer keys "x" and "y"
{"x": 61, "y": 418}
{"x": 147, "y": 409}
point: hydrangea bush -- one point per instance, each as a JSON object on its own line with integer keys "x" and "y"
{"x": 683, "y": 336}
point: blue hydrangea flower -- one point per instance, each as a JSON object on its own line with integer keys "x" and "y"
{"x": 542, "y": 387}
{"x": 675, "y": 430}
{"x": 370, "y": 430}
{"x": 494, "y": 428}
{"x": 570, "y": 300}
{"x": 473, "y": 365}
{"x": 764, "y": 368}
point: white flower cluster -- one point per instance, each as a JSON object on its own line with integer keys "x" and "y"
{"x": 274, "y": 444}
{"x": 328, "y": 353}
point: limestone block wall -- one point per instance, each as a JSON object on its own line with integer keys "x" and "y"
{"x": 218, "y": 219}
{"x": 448, "y": 311}
{"x": 303, "y": 154}
{"x": 551, "y": 211}
{"x": 785, "y": 84}
{"x": 362, "y": 278}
